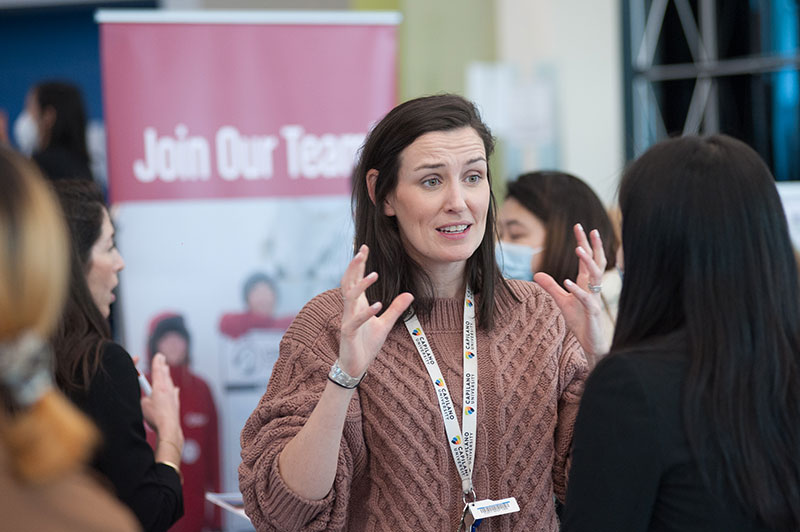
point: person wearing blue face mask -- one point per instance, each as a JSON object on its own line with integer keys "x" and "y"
{"x": 535, "y": 225}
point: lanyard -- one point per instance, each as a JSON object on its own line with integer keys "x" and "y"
{"x": 462, "y": 445}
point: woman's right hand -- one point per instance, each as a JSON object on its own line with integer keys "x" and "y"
{"x": 162, "y": 409}
{"x": 363, "y": 332}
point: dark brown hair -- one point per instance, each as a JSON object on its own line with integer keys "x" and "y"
{"x": 561, "y": 200}
{"x": 83, "y": 330}
{"x": 382, "y": 148}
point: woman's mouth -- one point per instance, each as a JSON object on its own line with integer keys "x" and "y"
{"x": 453, "y": 229}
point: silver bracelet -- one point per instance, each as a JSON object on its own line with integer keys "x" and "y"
{"x": 338, "y": 376}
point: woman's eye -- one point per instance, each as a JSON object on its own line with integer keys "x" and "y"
{"x": 474, "y": 178}
{"x": 431, "y": 182}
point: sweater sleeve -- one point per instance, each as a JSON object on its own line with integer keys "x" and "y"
{"x": 152, "y": 490}
{"x": 572, "y": 371}
{"x": 616, "y": 459}
{"x": 306, "y": 353}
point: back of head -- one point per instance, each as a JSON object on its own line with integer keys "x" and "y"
{"x": 82, "y": 329}
{"x": 707, "y": 250}
{"x": 382, "y": 149}
{"x": 561, "y": 200}
{"x": 43, "y": 433}
{"x": 69, "y": 128}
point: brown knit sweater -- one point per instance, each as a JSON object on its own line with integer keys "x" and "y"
{"x": 395, "y": 469}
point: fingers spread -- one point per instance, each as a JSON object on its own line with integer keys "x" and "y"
{"x": 598, "y": 251}
{"x": 355, "y": 271}
{"x": 581, "y": 295}
{"x": 550, "y": 285}
{"x": 398, "y": 306}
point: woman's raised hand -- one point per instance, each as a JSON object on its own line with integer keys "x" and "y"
{"x": 363, "y": 332}
{"x": 581, "y": 304}
{"x": 162, "y": 408}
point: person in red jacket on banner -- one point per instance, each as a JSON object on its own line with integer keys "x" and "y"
{"x": 260, "y": 297}
{"x": 200, "y": 461}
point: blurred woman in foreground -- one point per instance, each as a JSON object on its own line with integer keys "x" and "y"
{"x": 44, "y": 440}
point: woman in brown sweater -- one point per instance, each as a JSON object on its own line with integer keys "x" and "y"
{"x": 470, "y": 396}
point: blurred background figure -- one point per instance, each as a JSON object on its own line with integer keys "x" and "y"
{"x": 100, "y": 377}
{"x": 200, "y": 462}
{"x": 536, "y": 222}
{"x": 260, "y": 296}
{"x": 52, "y": 130}
{"x": 44, "y": 440}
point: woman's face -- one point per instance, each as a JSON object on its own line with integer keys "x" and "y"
{"x": 105, "y": 263}
{"x": 518, "y": 225}
{"x": 442, "y": 197}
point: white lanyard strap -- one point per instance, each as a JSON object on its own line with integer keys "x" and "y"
{"x": 462, "y": 445}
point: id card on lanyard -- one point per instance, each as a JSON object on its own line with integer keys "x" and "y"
{"x": 462, "y": 444}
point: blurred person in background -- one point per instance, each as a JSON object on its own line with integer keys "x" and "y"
{"x": 44, "y": 440}
{"x": 198, "y": 414}
{"x": 100, "y": 376}
{"x": 52, "y": 130}
{"x": 260, "y": 296}
{"x": 691, "y": 422}
{"x": 536, "y": 227}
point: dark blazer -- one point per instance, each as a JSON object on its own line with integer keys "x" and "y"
{"x": 632, "y": 469}
{"x": 152, "y": 490}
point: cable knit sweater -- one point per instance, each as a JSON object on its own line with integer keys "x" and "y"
{"x": 395, "y": 470}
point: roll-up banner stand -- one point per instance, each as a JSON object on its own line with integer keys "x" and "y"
{"x": 231, "y": 141}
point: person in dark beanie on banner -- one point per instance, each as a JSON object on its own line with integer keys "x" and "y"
{"x": 200, "y": 461}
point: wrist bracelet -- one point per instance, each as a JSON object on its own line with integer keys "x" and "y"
{"x": 339, "y": 377}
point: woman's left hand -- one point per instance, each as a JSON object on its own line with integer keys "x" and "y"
{"x": 581, "y": 306}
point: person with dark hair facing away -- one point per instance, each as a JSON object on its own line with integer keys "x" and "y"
{"x": 44, "y": 440}
{"x": 691, "y": 422}
{"x": 100, "y": 377}
{"x": 536, "y": 224}
{"x": 198, "y": 414}
{"x": 52, "y": 129}
{"x": 465, "y": 386}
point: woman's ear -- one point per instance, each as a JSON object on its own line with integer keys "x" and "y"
{"x": 372, "y": 178}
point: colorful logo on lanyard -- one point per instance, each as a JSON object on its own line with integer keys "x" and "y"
{"x": 469, "y": 410}
{"x": 469, "y": 354}
{"x": 416, "y": 332}
{"x": 439, "y": 382}
{"x": 456, "y": 440}
{"x": 469, "y": 302}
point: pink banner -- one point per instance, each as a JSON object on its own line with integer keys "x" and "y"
{"x": 240, "y": 110}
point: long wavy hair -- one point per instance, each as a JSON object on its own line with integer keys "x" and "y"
{"x": 707, "y": 251}
{"x": 82, "y": 332}
{"x": 382, "y": 149}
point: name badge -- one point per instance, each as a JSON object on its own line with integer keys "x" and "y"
{"x": 479, "y": 510}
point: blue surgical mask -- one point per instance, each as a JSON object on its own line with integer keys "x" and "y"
{"x": 515, "y": 260}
